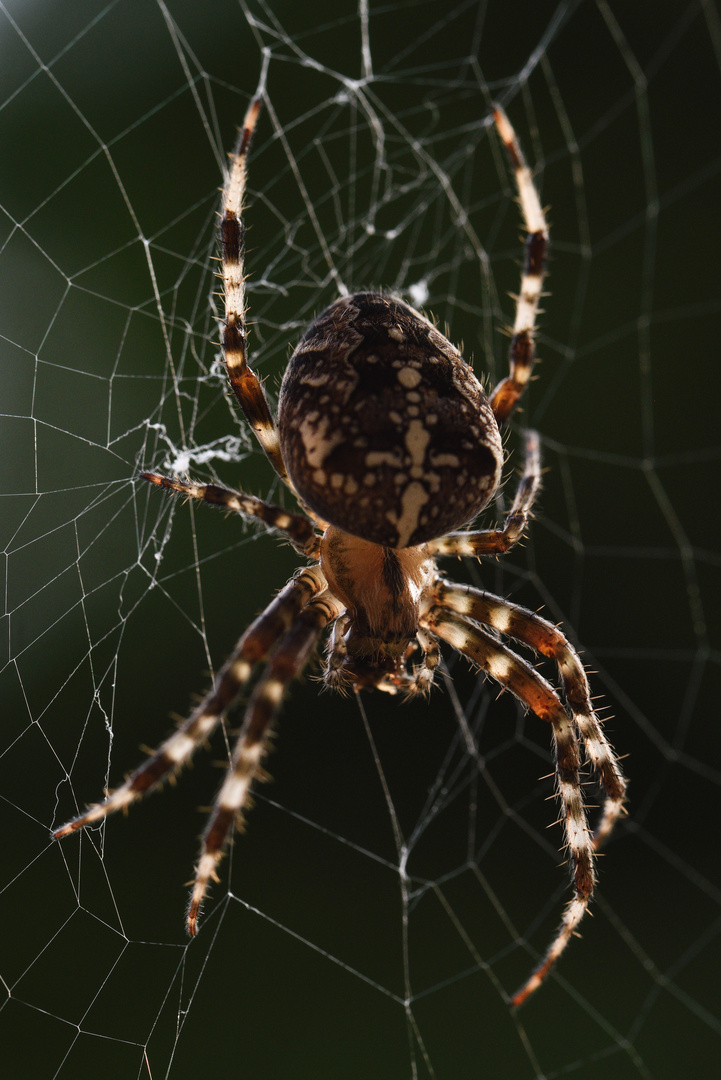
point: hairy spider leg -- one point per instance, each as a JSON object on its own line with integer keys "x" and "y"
{"x": 298, "y": 529}
{"x": 234, "y": 336}
{"x": 292, "y": 654}
{"x": 498, "y": 541}
{"x": 545, "y": 638}
{"x": 178, "y": 748}
{"x": 511, "y": 671}
{"x": 522, "y": 350}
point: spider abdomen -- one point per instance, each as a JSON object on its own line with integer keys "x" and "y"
{"x": 385, "y": 430}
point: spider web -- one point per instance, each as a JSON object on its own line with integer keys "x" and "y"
{"x": 398, "y": 878}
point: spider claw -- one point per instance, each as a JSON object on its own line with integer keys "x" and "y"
{"x": 205, "y": 873}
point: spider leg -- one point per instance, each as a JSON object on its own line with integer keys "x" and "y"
{"x": 521, "y": 353}
{"x": 511, "y": 671}
{"x": 299, "y": 530}
{"x": 334, "y": 676}
{"x": 179, "y": 747}
{"x": 234, "y": 336}
{"x": 528, "y": 627}
{"x": 498, "y": 541}
{"x": 290, "y": 657}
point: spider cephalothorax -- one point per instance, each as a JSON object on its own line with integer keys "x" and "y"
{"x": 391, "y": 446}
{"x": 385, "y": 592}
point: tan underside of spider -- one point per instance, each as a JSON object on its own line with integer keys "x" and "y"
{"x": 375, "y": 518}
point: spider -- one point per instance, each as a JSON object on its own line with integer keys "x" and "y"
{"x": 391, "y": 447}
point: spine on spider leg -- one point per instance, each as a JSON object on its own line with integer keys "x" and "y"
{"x": 580, "y": 849}
{"x": 526, "y": 493}
{"x": 511, "y": 671}
{"x": 544, "y": 638}
{"x": 522, "y": 350}
{"x": 292, "y": 654}
{"x": 178, "y": 748}
{"x": 298, "y": 529}
{"x": 234, "y": 335}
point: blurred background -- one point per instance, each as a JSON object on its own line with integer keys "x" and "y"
{"x": 400, "y": 875}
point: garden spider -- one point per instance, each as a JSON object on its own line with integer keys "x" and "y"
{"x": 390, "y": 445}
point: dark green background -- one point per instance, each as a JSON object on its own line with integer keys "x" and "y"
{"x": 119, "y": 602}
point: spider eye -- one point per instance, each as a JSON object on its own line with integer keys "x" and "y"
{"x": 385, "y": 430}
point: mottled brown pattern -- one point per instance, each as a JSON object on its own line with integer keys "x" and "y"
{"x": 374, "y": 400}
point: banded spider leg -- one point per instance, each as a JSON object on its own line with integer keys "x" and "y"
{"x": 288, "y": 630}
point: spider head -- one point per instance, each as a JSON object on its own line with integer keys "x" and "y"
{"x": 382, "y": 589}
